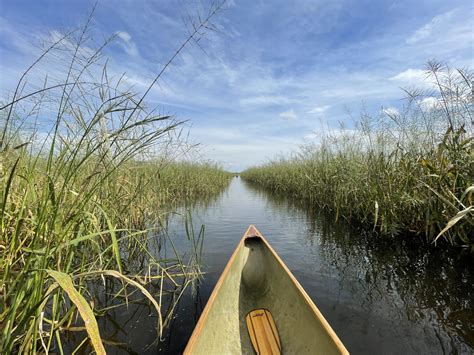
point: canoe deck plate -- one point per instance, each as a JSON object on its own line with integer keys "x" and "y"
{"x": 263, "y": 332}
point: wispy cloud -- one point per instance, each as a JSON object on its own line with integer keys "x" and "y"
{"x": 429, "y": 103}
{"x": 319, "y": 109}
{"x": 439, "y": 22}
{"x": 265, "y": 100}
{"x": 391, "y": 111}
{"x": 272, "y": 67}
{"x": 288, "y": 115}
{"x": 411, "y": 77}
{"x": 125, "y": 41}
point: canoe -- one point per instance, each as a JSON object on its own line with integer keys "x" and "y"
{"x": 258, "y": 306}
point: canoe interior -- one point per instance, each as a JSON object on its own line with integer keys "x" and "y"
{"x": 255, "y": 278}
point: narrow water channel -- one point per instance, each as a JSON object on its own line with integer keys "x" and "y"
{"x": 381, "y": 296}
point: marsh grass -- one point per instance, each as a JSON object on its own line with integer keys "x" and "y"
{"x": 85, "y": 179}
{"x": 402, "y": 172}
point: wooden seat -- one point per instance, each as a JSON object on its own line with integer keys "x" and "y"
{"x": 263, "y": 332}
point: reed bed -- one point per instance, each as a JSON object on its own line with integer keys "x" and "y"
{"x": 401, "y": 172}
{"x": 86, "y": 178}
{"x": 142, "y": 191}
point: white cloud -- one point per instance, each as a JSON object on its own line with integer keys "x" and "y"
{"x": 220, "y": 134}
{"x": 125, "y": 41}
{"x": 312, "y": 136}
{"x": 250, "y": 154}
{"x": 230, "y": 3}
{"x": 391, "y": 111}
{"x": 319, "y": 109}
{"x": 69, "y": 43}
{"x": 10, "y": 33}
{"x": 415, "y": 77}
{"x": 240, "y": 149}
{"x": 265, "y": 100}
{"x": 330, "y": 133}
{"x": 289, "y": 115}
{"x": 429, "y": 103}
{"x": 246, "y": 92}
{"x": 437, "y": 23}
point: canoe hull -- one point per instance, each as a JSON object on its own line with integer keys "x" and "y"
{"x": 255, "y": 277}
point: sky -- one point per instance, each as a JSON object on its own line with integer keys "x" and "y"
{"x": 270, "y": 76}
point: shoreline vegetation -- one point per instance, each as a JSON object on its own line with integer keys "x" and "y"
{"x": 406, "y": 172}
{"x": 88, "y": 173}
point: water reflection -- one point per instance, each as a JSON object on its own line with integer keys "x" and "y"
{"x": 381, "y": 295}
{"x": 428, "y": 289}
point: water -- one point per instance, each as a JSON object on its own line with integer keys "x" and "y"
{"x": 381, "y": 296}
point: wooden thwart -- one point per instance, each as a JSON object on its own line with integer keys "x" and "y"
{"x": 263, "y": 332}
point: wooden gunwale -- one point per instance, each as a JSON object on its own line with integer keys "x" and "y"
{"x": 215, "y": 292}
{"x": 252, "y": 232}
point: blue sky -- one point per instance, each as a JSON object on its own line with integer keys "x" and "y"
{"x": 273, "y": 74}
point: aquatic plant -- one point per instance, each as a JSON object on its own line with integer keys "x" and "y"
{"x": 85, "y": 178}
{"x": 410, "y": 171}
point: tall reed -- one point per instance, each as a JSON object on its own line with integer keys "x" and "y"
{"x": 410, "y": 171}
{"x": 84, "y": 179}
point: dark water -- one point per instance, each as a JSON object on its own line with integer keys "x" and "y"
{"x": 381, "y": 296}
